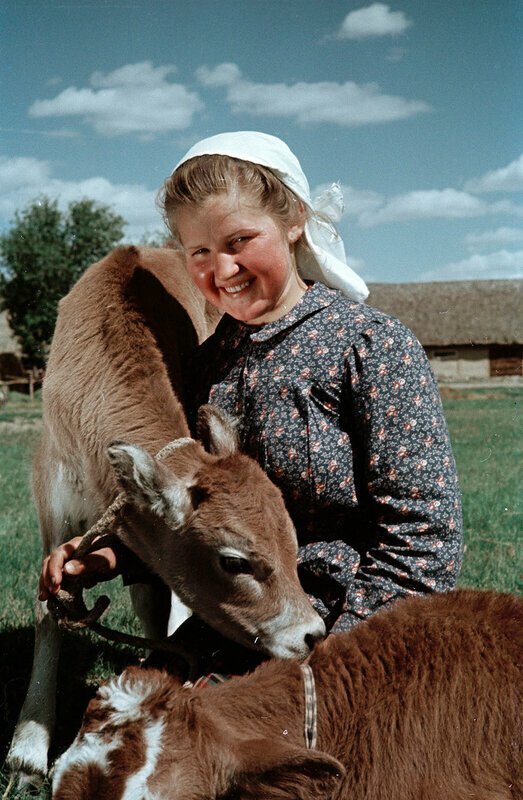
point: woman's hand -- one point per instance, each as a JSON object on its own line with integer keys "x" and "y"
{"x": 100, "y": 565}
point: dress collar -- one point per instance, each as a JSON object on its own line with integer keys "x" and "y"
{"x": 317, "y": 297}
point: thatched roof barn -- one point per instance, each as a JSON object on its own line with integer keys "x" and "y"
{"x": 456, "y": 312}
{"x": 469, "y": 328}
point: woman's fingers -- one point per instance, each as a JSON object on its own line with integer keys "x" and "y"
{"x": 96, "y": 566}
{"x": 52, "y": 568}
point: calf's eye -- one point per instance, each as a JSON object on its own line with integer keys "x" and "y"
{"x": 234, "y": 565}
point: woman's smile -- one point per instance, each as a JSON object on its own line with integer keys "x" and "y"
{"x": 237, "y": 288}
{"x": 240, "y": 258}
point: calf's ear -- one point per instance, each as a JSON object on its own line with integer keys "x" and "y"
{"x": 273, "y": 769}
{"x": 135, "y": 470}
{"x": 148, "y": 485}
{"x": 217, "y": 431}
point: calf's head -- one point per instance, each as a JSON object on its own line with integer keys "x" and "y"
{"x": 144, "y": 737}
{"x": 215, "y": 528}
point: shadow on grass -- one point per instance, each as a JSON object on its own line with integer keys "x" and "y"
{"x": 84, "y": 662}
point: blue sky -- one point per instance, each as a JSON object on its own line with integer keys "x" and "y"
{"x": 414, "y": 106}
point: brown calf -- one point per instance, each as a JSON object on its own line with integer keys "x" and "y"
{"x": 420, "y": 702}
{"x": 210, "y": 524}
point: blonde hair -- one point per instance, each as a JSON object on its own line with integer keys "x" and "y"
{"x": 203, "y": 176}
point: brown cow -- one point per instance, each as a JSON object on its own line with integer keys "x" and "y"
{"x": 210, "y": 524}
{"x": 420, "y": 702}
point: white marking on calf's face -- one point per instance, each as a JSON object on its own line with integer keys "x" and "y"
{"x": 124, "y": 702}
{"x": 124, "y": 699}
{"x": 284, "y": 638}
{"x": 87, "y": 749}
{"x": 136, "y": 786}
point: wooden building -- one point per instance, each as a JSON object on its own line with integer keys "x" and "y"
{"x": 13, "y": 375}
{"x": 469, "y": 329}
{"x": 8, "y": 343}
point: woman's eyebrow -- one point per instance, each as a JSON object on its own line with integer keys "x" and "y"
{"x": 226, "y": 236}
{"x": 239, "y": 230}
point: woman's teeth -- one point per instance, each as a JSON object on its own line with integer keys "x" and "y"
{"x": 238, "y": 288}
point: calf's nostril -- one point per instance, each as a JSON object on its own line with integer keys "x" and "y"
{"x": 312, "y": 638}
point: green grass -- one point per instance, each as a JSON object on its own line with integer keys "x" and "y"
{"x": 86, "y": 659}
{"x": 486, "y": 432}
{"x": 485, "y": 429}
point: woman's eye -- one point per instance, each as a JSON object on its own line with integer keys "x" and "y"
{"x": 234, "y": 565}
{"x": 202, "y": 251}
{"x": 239, "y": 240}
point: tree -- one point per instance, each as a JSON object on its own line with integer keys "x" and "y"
{"x": 156, "y": 238}
{"x": 42, "y": 256}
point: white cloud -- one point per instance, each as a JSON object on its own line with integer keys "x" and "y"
{"x": 17, "y": 173}
{"x": 136, "y": 99}
{"x": 506, "y": 207}
{"x": 506, "y": 179}
{"x": 25, "y": 179}
{"x": 428, "y": 204}
{"x": 133, "y": 75}
{"x": 347, "y": 104}
{"x": 499, "y": 236}
{"x": 502, "y": 265}
{"x": 371, "y": 21}
{"x": 225, "y": 74}
{"x": 369, "y": 208}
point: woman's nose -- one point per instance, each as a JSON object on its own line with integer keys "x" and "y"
{"x": 225, "y": 266}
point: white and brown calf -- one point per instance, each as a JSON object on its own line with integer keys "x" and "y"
{"x": 420, "y": 702}
{"x": 210, "y": 524}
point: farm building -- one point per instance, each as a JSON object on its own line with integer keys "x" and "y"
{"x": 8, "y": 343}
{"x": 13, "y": 375}
{"x": 469, "y": 329}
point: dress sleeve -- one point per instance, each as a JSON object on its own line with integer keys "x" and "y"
{"x": 407, "y": 483}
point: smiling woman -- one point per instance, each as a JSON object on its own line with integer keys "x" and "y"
{"x": 240, "y": 258}
{"x": 269, "y": 176}
{"x": 335, "y": 400}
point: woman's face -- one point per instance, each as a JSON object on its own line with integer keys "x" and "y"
{"x": 240, "y": 258}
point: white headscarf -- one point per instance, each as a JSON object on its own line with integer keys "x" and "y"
{"x": 326, "y": 260}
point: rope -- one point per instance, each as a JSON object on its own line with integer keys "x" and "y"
{"x": 110, "y": 514}
{"x": 68, "y": 606}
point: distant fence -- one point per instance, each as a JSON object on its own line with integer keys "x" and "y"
{"x": 14, "y": 376}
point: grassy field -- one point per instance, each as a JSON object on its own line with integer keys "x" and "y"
{"x": 486, "y": 431}
{"x": 485, "y": 428}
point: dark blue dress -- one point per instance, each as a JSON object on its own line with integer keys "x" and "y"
{"x": 337, "y": 403}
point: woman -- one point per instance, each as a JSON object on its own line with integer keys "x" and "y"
{"x": 334, "y": 399}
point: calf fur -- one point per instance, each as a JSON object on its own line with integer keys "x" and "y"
{"x": 420, "y": 702}
{"x": 210, "y": 524}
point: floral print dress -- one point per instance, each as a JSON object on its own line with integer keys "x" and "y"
{"x": 337, "y": 403}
